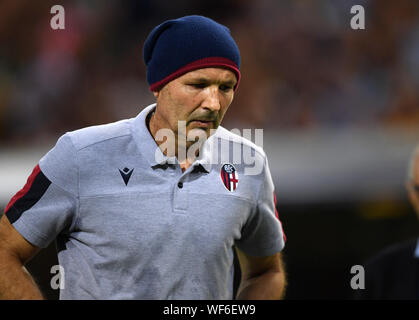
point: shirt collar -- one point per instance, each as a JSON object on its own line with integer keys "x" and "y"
{"x": 151, "y": 151}
{"x": 206, "y": 155}
{"x": 145, "y": 141}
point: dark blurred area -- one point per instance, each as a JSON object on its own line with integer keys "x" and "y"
{"x": 304, "y": 70}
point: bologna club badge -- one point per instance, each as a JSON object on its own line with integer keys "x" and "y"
{"x": 229, "y": 176}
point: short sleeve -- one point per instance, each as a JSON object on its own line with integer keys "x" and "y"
{"x": 262, "y": 234}
{"x": 47, "y": 204}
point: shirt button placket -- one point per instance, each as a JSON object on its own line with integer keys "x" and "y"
{"x": 180, "y": 197}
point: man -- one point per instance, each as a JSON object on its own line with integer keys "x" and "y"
{"x": 394, "y": 272}
{"x": 143, "y": 208}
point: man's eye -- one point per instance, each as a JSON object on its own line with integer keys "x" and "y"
{"x": 198, "y": 85}
{"x": 225, "y": 88}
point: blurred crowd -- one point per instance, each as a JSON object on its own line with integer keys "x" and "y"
{"x": 303, "y": 66}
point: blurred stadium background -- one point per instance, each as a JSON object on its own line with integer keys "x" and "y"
{"x": 339, "y": 109}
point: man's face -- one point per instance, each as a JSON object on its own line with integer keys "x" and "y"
{"x": 413, "y": 186}
{"x": 200, "y": 98}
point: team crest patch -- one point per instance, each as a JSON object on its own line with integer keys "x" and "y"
{"x": 229, "y": 176}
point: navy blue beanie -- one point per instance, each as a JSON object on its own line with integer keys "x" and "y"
{"x": 178, "y": 46}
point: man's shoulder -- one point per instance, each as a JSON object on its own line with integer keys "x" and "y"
{"x": 92, "y": 135}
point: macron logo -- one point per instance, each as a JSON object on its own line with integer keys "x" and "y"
{"x": 126, "y": 174}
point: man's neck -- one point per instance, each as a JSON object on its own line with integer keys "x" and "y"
{"x": 153, "y": 128}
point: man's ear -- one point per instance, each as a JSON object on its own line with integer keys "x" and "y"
{"x": 156, "y": 94}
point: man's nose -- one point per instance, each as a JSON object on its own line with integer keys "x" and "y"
{"x": 212, "y": 99}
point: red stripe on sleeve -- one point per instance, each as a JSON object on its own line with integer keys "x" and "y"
{"x": 276, "y": 211}
{"x": 277, "y": 216}
{"x": 25, "y": 189}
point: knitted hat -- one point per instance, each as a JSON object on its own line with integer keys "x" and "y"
{"x": 178, "y": 46}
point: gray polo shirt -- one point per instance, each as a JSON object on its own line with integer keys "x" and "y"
{"x": 129, "y": 224}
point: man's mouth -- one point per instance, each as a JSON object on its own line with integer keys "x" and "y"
{"x": 202, "y": 123}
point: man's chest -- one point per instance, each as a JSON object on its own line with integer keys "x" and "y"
{"x": 130, "y": 204}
